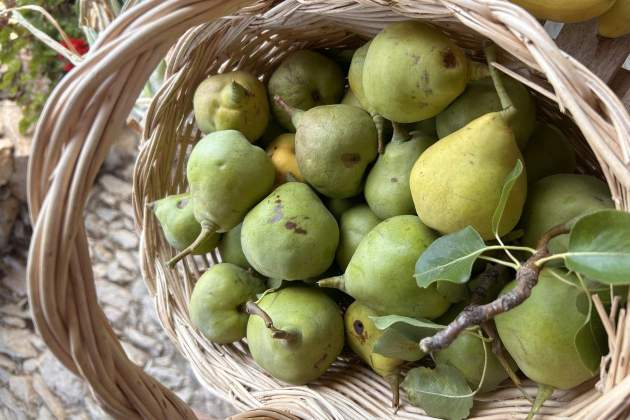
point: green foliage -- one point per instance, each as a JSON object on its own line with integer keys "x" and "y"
{"x": 28, "y": 68}
{"x": 401, "y": 336}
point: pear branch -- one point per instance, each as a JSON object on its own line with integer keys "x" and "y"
{"x": 253, "y": 309}
{"x": 526, "y": 279}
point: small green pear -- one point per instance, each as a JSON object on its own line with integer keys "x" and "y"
{"x": 230, "y": 248}
{"x": 305, "y": 79}
{"x": 227, "y": 175}
{"x": 175, "y": 214}
{"x": 304, "y": 336}
{"x": 412, "y": 71}
{"x": 548, "y": 152}
{"x": 550, "y": 336}
{"x": 290, "y": 235}
{"x": 380, "y": 273}
{"x": 361, "y": 335}
{"x": 355, "y": 223}
{"x": 558, "y": 199}
{"x": 338, "y": 206}
{"x": 355, "y": 75}
{"x": 217, "y": 301}
{"x": 387, "y": 189}
{"x": 232, "y": 101}
{"x": 479, "y": 98}
{"x": 334, "y": 144}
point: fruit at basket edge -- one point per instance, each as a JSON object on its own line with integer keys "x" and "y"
{"x": 559, "y": 199}
{"x": 380, "y": 273}
{"x": 305, "y": 79}
{"x": 227, "y": 175}
{"x": 412, "y": 71}
{"x": 334, "y": 144}
{"x": 479, "y": 98}
{"x": 457, "y": 181}
{"x": 567, "y": 11}
{"x": 312, "y": 318}
{"x": 361, "y": 335}
{"x": 281, "y": 151}
{"x": 355, "y": 223}
{"x": 615, "y": 22}
{"x": 232, "y": 101}
{"x": 290, "y": 235}
{"x": 548, "y": 152}
{"x": 387, "y": 189}
{"x": 175, "y": 214}
{"x": 216, "y": 303}
{"x": 544, "y": 334}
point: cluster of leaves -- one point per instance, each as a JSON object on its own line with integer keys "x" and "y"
{"x": 28, "y": 68}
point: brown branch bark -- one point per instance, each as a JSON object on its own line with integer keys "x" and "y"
{"x": 253, "y": 309}
{"x": 526, "y": 279}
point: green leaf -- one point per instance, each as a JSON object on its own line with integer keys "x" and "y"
{"x": 508, "y": 184}
{"x": 442, "y": 392}
{"x": 450, "y": 258}
{"x": 402, "y": 335}
{"x": 599, "y": 247}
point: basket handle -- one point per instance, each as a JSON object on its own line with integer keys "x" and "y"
{"x": 82, "y": 116}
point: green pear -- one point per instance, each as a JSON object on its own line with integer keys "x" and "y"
{"x": 216, "y": 303}
{"x": 361, "y": 335}
{"x": 548, "y": 152}
{"x": 479, "y": 98}
{"x": 334, "y": 144}
{"x": 232, "y": 101}
{"x": 355, "y": 223}
{"x": 306, "y": 335}
{"x": 338, "y": 206}
{"x": 175, "y": 214}
{"x": 561, "y": 198}
{"x": 457, "y": 181}
{"x": 467, "y": 354}
{"x": 305, "y": 79}
{"x": 425, "y": 128}
{"x": 550, "y": 335}
{"x": 230, "y": 248}
{"x": 412, "y": 71}
{"x": 290, "y": 235}
{"x": 227, "y": 175}
{"x": 351, "y": 99}
{"x": 380, "y": 273}
{"x": 355, "y": 75}
{"x": 387, "y": 189}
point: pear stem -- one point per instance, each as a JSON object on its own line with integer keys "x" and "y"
{"x": 294, "y": 113}
{"x": 401, "y": 134}
{"x": 336, "y": 282}
{"x": 253, "y": 309}
{"x": 506, "y": 102}
{"x": 478, "y": 70}
{"x": 526, "y": 279}
{"x": 379, "y": 122}
{"x": 207, "y": 229}
{"x": 544, "y": 392}
{"x": 235, "y": 93}
{"x": 393, "y": 380}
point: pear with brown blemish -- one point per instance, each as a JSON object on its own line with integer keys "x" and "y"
{"x": 290, "y": 235}
{"x": 334, "y": 144}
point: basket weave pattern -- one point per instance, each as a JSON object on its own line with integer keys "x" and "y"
{"x": 88, "y": 108}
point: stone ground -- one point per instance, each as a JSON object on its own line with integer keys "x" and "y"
{"x": 33, "y": 384}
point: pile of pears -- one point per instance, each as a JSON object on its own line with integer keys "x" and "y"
{"x": 321, "y": 191}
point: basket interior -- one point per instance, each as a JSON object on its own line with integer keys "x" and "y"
{"x": 258, "y": 43}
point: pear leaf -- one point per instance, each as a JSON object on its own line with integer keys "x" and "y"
{"x": 599, "y": 247}
{"x": 508, "y": 184}
{"x": 450, "y": 258}
{"x": 442, "y": 392}
{"x": 401, "y": 336}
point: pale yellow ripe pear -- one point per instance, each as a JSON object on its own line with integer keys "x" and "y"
{"x": 616, "y": 21}
{"x": 281, "y": 151}
{"x": 566, "y": 11}
{"x": 457, "y": 181}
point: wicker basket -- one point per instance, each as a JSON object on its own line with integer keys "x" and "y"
{"x": 86, "y": 111}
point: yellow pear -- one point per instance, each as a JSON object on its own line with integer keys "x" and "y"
{"x": 281, "y": 151}
{"x": 457, "y": 181}
{"x": 566, "y": 11}
{"x": 616, "y": 21}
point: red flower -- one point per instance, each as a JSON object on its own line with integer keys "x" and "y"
{"x": 80, "y": 45}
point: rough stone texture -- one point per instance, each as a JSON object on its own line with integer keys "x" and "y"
{"x": 33, "y": 384}
{"x": 6, "y": 161}
{"x": 9, "y": 209}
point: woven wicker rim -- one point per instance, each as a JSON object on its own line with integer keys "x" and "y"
{"x": 86, "y": 111}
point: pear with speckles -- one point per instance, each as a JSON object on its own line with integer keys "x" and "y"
{"x": 290, "y": 235}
